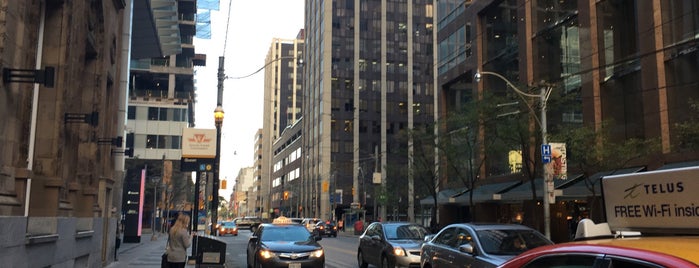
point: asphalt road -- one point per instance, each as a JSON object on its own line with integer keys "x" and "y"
{"x": 340, "y": 251}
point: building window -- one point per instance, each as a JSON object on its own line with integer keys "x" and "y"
{"x": 132, "y": 113}
{"x": 129, "y": 140}
{"x": 152, "y": 141}
{"x": 153, "y": 113}
{"x": 162, "y": 116}
{"x": 162, "y": 141}
{"x": 176, "y": 142}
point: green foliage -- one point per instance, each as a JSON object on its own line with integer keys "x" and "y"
{"x": 593, "y": 151}
{"x": 688, "y": 131}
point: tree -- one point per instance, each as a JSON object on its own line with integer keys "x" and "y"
{"x": 688, "y": 131}
{"x": 461, "y": 149}
{"x": 591, "y": 151}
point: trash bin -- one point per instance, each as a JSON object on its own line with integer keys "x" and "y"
{"x": 210, "y": 251}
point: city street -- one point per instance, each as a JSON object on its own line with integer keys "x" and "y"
{"x": 340, "y": 251}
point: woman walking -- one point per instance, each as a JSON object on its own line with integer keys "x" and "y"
{"x": 178, "y": 242}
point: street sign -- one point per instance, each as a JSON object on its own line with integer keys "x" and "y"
{"x": 546, "y": 153}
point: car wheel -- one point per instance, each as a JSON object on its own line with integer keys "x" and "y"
{"x": 384, "y": 262}
{"x": 360, "y": 260}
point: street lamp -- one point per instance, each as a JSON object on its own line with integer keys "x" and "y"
{"x": 218, "y": 119}
{"x": 543, "y": 97}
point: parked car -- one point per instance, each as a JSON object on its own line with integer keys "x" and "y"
{"x": 325, "y": 228}
{"x": 619, "y": 249}
{"x": 296, "y": 220}
{"x": 248, "y": 222}
{"x": 310, "y": 223}
{"x": 284, "y": 244}
{"x": 391, "y": 244}
{"x": 228, "y": 227}
{"x": 479, "y": 245}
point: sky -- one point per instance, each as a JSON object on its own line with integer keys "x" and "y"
{"x": 252, "y": 26}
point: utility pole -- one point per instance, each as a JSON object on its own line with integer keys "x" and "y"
{"x": 548, "y": 181}
{"x": 218, "y": 117}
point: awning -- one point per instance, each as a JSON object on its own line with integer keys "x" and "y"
{"x": 582, "y": 188}
{"x": 461, "y": 196}
{"x": 442, "y": 197}
{"x": 486, "y": 192}
{"x": 524, "y": 190}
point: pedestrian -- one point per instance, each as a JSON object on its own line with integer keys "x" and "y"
{"x": 358, "y": 226}
{"x": 179, "y": 240}
{"x": 341, "y": 225}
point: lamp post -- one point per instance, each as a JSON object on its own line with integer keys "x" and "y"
{"x": 543, "y": 98}
{"x": 218, "y": 119}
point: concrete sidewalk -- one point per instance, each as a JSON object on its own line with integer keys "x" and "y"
{"x": 145, "y": 254}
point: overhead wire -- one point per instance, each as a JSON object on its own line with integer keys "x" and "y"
{"x": 228, "y": 22}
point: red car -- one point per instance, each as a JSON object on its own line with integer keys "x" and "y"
{"x": 666, "y": 251}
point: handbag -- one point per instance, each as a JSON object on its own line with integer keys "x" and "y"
{"x": 163, "y": 261}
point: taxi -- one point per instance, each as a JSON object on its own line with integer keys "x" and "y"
{"x": 227, "y": 227}
{"x": 651, "y": 221}
{"x": 284, "y": 243}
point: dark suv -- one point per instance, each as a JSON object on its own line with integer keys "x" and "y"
{"x": 249, "y": 222}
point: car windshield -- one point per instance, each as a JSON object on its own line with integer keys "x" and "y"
{"x": 285, "y": 233}
{"x": 229, "y": 224}
{"x": 510, "y": 242}
{"x": 406, "y": 231}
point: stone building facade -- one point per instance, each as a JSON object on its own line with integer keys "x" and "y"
{"x": 59, "y": 181}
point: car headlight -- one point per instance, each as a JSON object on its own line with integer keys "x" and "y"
{"x": 317, "y": 253}
{"x": 266, "y": 254}
{"x": 235, "y": 229}
{"x": 398, "y": 251}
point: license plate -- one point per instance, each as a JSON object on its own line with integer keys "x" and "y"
{"x": 294, "y": 265}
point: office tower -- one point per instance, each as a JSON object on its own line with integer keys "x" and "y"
{"x": 282, "y": 109}
{"x": 367, "y": 79}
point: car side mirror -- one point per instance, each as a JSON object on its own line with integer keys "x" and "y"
{"x": 376, "y": 237}
{"x": 253, "y": 238}
{"x": 466, "y": 248}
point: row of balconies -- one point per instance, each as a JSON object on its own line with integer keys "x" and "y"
{"x": 154, "y": 93}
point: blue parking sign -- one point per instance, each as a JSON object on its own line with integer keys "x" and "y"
{"x": 546, "y": 153}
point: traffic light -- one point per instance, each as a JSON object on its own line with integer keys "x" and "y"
{"x": 223, "y": 184}
{"x": 286, "y": 195}
{"x": 352, "y": 190}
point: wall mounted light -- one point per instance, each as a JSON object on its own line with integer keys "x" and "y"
{"x": 117, "y": 142}
{"x": 91, "y": 118}
{"x": 45, "y": 76}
